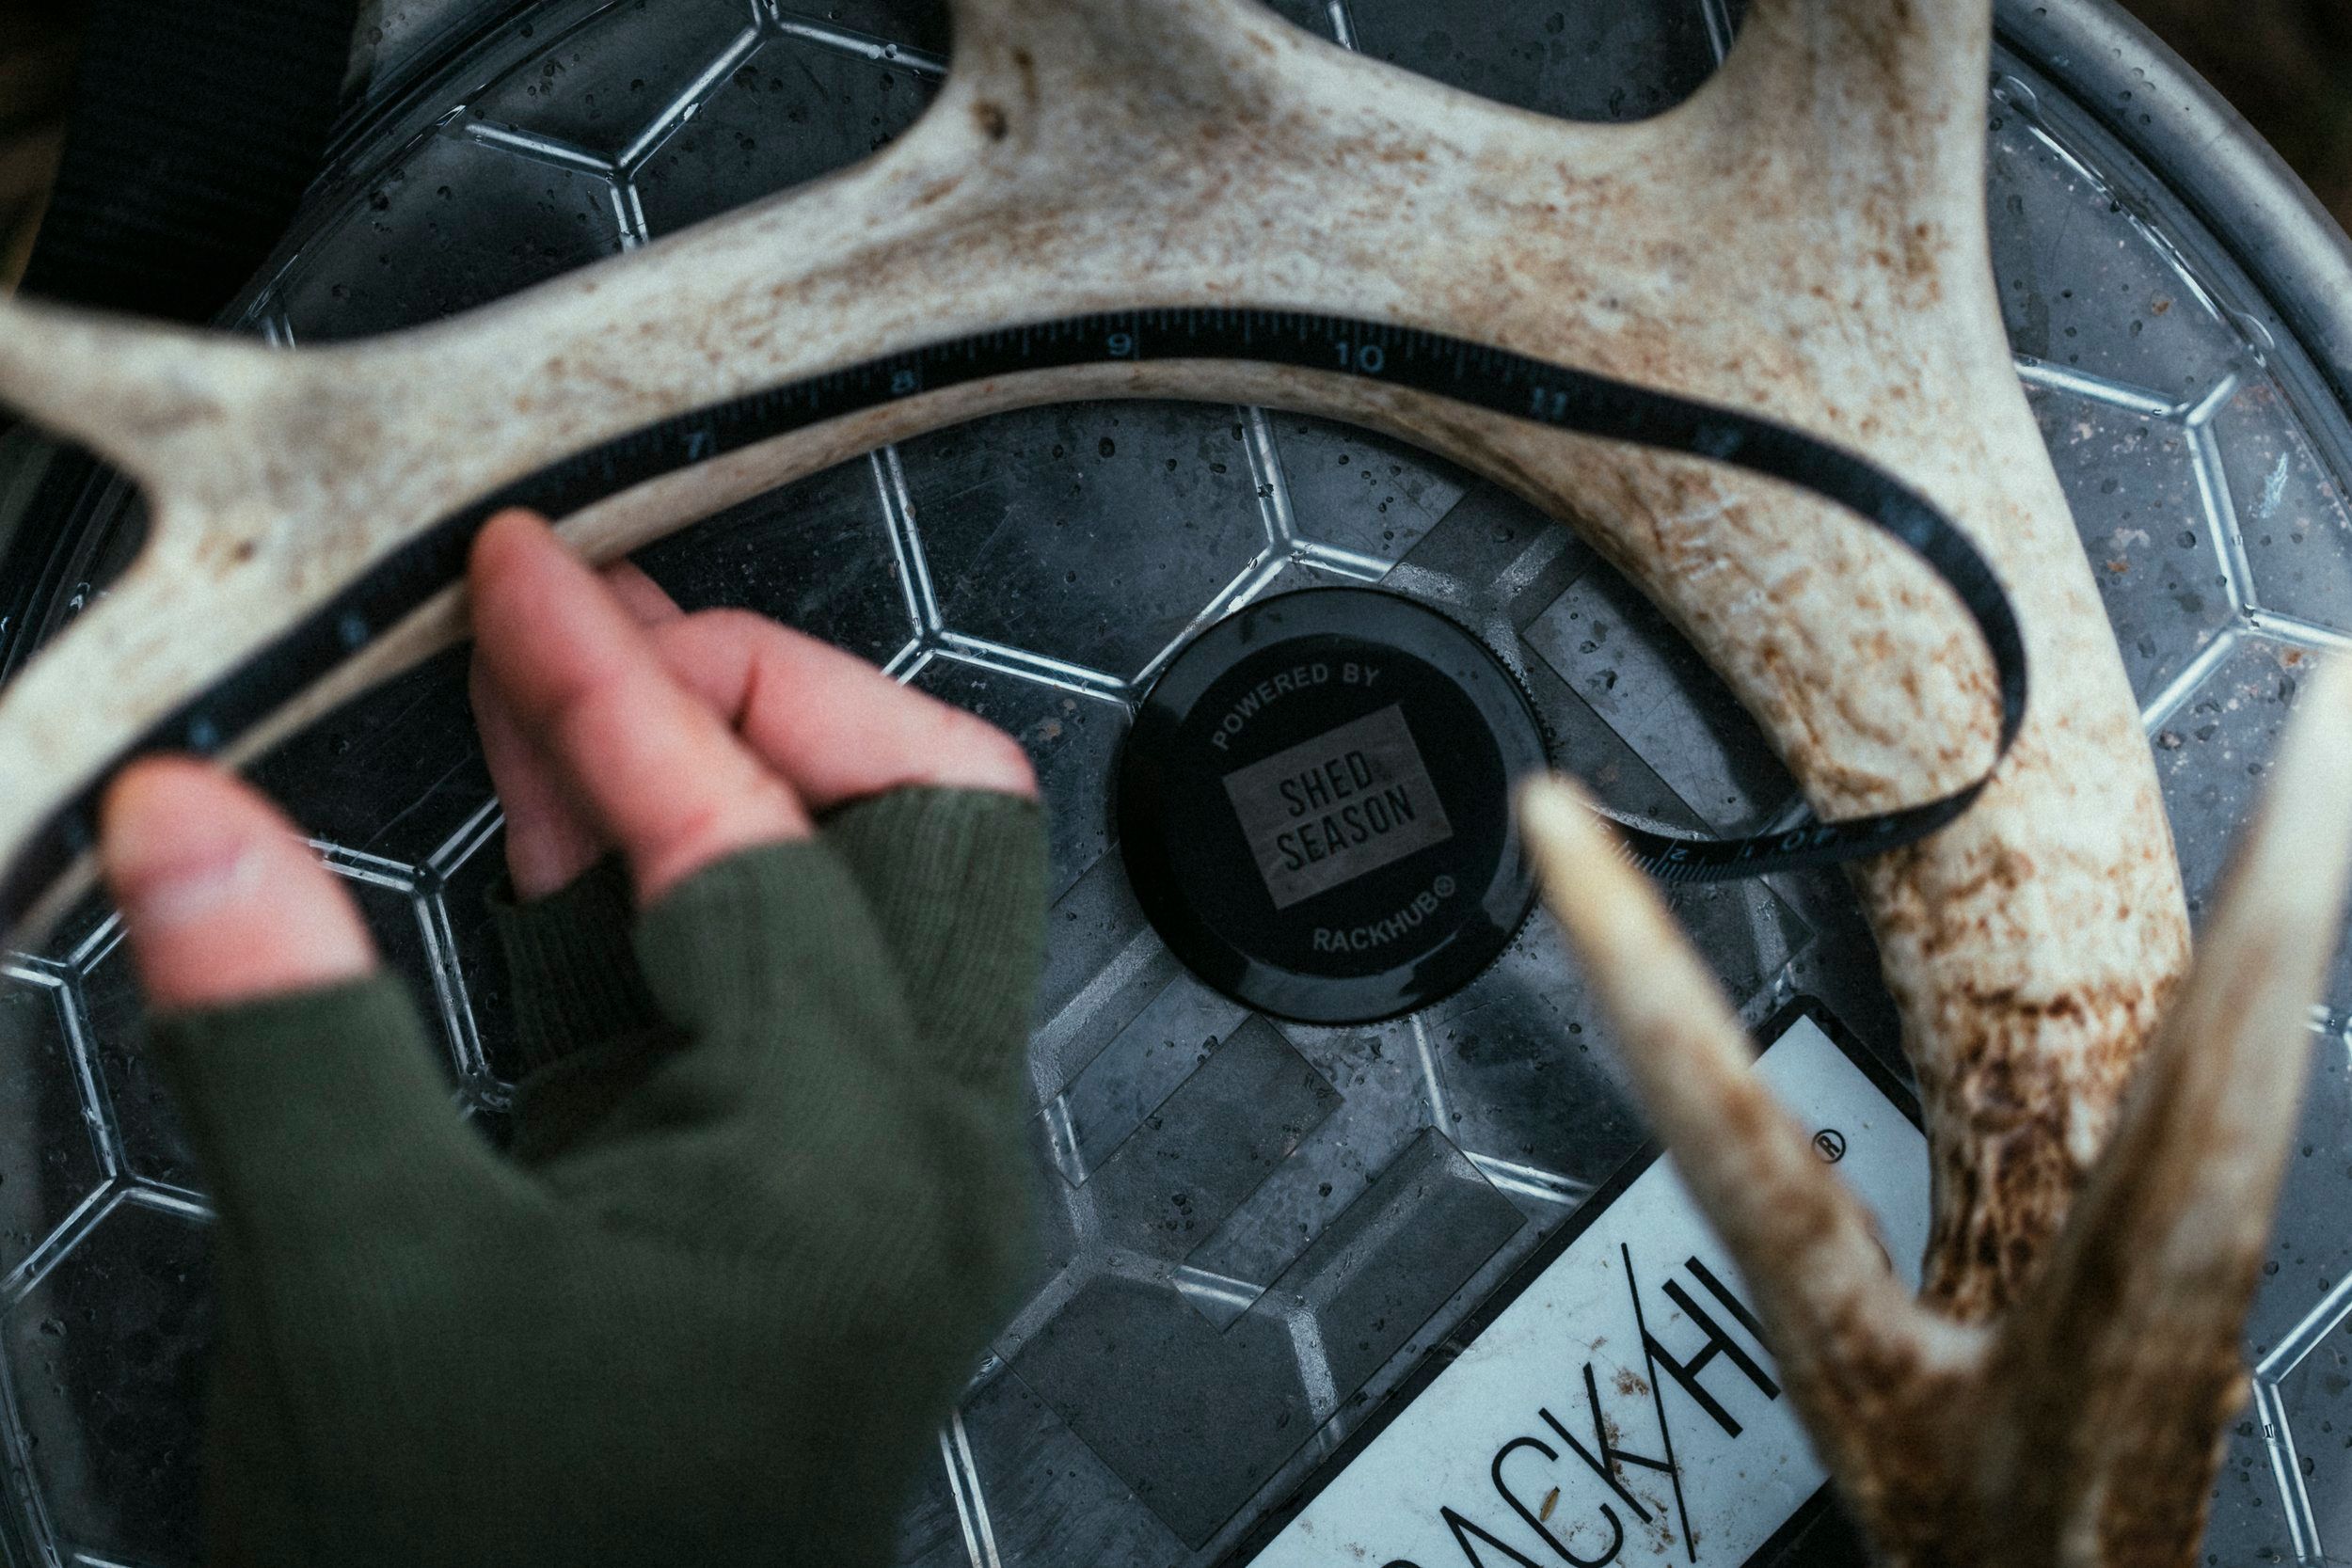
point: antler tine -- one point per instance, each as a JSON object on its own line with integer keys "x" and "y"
{"x": 1904, "y": 68}
{"x": 1846, "y": 1330}
{"x": 132, "y": 393}
{"x": 2123, "y": 1361}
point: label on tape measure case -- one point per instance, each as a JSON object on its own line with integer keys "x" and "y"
{"x": 1338, "y": 806}
{"x": 1616, "y": 1402}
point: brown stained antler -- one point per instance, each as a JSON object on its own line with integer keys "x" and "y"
{"x": 2080, "y": 1426}
{"x": 1804, "y": 237}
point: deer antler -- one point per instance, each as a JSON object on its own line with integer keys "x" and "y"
{"x": 1804, "y": 237}
{"x": 2080, "y": 1425}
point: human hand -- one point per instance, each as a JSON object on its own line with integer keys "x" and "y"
{"x": 750, "y": 1243}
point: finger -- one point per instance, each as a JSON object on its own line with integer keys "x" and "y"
{"x": 662, "y": 775}
{"x": 304, "y": 1075}
{"x": 222, "y": 900}
{"x": 934, "y": 815}
{"x": 835, "y": 726}
{"x": 647, "y": 602}
{"x": 549, "y": 840}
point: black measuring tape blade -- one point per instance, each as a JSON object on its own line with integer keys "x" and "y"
{"x": 1451, "y": 368}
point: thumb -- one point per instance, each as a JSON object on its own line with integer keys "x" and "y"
{"x": 222, "y": 901}
{"x": 305, "y": 1078}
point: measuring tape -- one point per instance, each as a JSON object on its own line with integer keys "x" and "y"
{"x": 1451, "y": 368}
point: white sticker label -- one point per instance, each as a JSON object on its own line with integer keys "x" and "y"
{"x": 1621, "y": 1409}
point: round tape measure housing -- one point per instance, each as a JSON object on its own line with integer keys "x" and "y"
{"x": 1314, "y": 805}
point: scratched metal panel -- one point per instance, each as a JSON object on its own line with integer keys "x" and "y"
{"x": 1341, "y": 1195}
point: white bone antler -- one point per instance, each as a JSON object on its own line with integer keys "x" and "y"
{"x": 1804, "y": 237}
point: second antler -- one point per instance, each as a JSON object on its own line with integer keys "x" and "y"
{"x": 2079, "y": 1425}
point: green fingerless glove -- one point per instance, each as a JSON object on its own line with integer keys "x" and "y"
{"x": 772, "y": 1205}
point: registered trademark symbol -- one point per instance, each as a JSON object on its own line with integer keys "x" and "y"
{"x": 1442, "y": 887}
{"x": 1831, "y": 1144}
